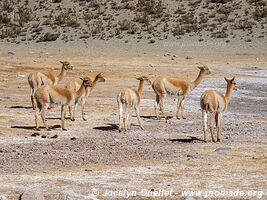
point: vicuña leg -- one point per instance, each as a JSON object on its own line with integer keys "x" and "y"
{"x": 156, "y": 106}
{"x": 71, "y": 114}
{"x": 182, "y": 105}
{"x": 63, "y": 115}
{"x": 218, "y": 119}
{"x": 125, "y": 117}
{"x": 37, "y": 111}
{"x": 83, "y": 113}
{"x": 212, "y": 119}
{"x": 161, "y": 106}
{"x": 43, "y": 114}
{"x": 179, "y": 103}
{"x": 205, "y": 123}
{"x": 120, "y": 117}
{"x": 33, "y": 99}
{"x": 138, "y": 117}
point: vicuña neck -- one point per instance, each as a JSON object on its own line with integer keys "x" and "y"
{"x": 196, "y": 82}
{"x": 62, "y": 74}
{"x": 228, "y": 93}
{"x": 94, "y": 83}
{"x": 141, "y": 87}
{"x": 81, "y": 91}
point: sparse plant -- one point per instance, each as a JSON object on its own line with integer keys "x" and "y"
{"x": 25, "y": 15}
{"x": 259, "y": 13}
{"x": 49, "y": 37}
{"x": 125, "y": 25}
{"x": 150, "y": 6}
{"x": 4, "y": 19}
{"x": 11, "y": 32}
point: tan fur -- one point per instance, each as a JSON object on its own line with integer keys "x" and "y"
{"x": 74, "y": 86}
{"x": 55, "y": 95}
{"x": 215, "y": 103}
{"x": 163, "y": 86}
{"x": 128, "y": 99}
{"x": 36, "y": 79}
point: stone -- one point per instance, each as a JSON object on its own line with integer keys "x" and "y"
{"x": 223, "y": 149}
{"x": 2, "y": 197}
{"x": 32, "y": 194}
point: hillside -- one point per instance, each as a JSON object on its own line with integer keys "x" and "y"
{"x": 135, "y": 20}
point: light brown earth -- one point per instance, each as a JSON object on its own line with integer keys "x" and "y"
{"x": 164, "y": 156}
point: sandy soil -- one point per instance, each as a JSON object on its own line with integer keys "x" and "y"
{"x": 164, "y": 156}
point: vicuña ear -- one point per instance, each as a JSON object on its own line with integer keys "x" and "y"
{"x": 227, "y": 80}
{"x": 200, "y": 68}
{"x": 82, "y": 79}
{"x": 233, "y": 78}
{"x": 61, "y": 62}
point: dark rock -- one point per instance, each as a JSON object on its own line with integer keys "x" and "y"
{"x": 188, "y": 57}
{"x": 54, "y": 136}
{"x": 35, "y": 134}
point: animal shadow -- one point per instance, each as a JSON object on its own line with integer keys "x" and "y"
{"x": 109, "y": 127}
{"x": 33, "y": 127}
{"x": 21, "y": 107}
{"x": 191, "y": 139}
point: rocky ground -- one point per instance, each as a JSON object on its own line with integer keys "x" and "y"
{"x": 93, "y": 156}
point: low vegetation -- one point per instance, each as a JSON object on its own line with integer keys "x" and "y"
{"x": 130, "y": 19}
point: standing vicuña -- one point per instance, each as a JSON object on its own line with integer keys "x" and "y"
{"x": 47, "y": 95}
{"x": 163, "y": 86}
{"x": 36, "y": 79}
{"x": 74, "y": 86}
{"x": 216, "y": 104}
{"x": 128, "y": 99}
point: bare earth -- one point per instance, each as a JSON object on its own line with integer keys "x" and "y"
{"x": 164, "y": 156}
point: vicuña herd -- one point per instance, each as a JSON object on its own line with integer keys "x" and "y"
{"x": 45, "y": 94}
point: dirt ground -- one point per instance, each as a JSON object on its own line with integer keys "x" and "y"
{"x": 93, "y": 156}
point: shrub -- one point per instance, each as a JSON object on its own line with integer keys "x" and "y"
{"x": 97, "y": 27}
{"x": 49, "y": 37}
{"x": 125, "y": 25}
{"x": 12, "y": 32}
{"x": 143, "y": 19}
{"x": 244, "y": 24}
{"x": 260, "y": 12}
{"x": 25, "y": 15}
{"x": 4, "y": 19}
{"x": 7, "y": 5}
{"x": 219, "y": 34}
{"x": 65, "y": 18}
{"x": 150, "y": 6}
{"x": 177, "y": 30}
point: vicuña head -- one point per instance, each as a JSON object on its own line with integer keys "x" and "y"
{"x": 204, "y": 70}
{"x": 87, "y": 82}
{"x": 231, "y": 83}
{"x": 66, "y": 65}
{"x": 144, "y": 78}
{"x": 99, "y": 77}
